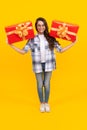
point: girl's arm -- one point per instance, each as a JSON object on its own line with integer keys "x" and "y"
{"x": 67, "y": 47}
{"x": 25, "y": 48}
{"x": 18, "y": 49}
{"x": 60, "y": 49}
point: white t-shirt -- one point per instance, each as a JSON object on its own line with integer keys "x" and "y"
{"x": 42, "y": 47}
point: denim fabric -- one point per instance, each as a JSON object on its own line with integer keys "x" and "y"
{"x": 43, "y": 84}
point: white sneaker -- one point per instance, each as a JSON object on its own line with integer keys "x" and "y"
{"x": 47, "y": 107}
{"x": 42, "y": 107}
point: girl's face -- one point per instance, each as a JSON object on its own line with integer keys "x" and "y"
{"x": 40, "y": 27}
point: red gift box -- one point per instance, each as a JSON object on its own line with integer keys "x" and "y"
{"x": 19, "y": 32}
{"x": 64, "y": 30}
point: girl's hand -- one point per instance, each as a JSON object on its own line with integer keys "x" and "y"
{"x": 7, "y": 42}
{"x": 74, "y": 41}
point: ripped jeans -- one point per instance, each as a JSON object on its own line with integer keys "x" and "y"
{"x": 43, "y": 84}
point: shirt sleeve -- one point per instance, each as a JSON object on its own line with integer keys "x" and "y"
{"x": 57, "y": 46}
{"x": 27, "y": 47}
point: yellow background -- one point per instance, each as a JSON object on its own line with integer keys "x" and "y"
{"x": 19, "y": 103}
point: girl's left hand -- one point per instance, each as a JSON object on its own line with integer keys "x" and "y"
{"x": 75, "y": 40}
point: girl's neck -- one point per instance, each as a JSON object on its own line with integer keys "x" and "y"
{"x": 40, "y": 33}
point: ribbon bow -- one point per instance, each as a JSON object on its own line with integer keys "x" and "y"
{"x": 22, "y": 30}
{"x": 62, "y": 32}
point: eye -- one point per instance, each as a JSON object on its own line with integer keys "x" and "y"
{"x": 43, "y": 25}
{"x": 39, "y": 25}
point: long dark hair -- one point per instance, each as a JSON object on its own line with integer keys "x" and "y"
{"x": 49, "y": 38}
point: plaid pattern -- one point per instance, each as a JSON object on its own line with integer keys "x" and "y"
{"x": 34, "y": 46}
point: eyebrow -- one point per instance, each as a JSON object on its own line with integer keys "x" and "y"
{"x": 41, "y": 24}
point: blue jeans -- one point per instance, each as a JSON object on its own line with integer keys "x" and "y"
{"x": 43, "y": 84}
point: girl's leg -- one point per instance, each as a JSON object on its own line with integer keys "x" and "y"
{"x": 39, "y": 78}
{"x": 47, "y": 77}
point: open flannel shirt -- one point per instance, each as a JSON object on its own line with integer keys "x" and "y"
{"x": 34, "y": 46}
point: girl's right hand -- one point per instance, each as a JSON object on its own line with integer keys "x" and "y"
{"x": 8, "y": 43}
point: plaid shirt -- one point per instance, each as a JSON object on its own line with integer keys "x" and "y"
{"x": 34, "y": 46}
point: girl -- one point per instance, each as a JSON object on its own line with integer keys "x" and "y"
{"x": 43, "y": 59}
